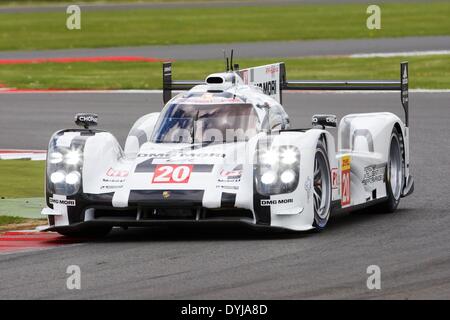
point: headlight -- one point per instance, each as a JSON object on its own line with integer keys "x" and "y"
{"x": 55, "y": 157}
{"x": 57, "y": 177}
{"x": 269, "y": 157}
{"x": 288, "y": 176}
{"x": 289, "y": 156}
{"x": 269, "y": 177}
{"x": 73, "y": 157}
{"x": 73, "y": 178}
{"x": 277, "y": 168}
{"x": 64, "y": 168}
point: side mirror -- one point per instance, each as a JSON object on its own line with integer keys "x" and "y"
{"x": 324, "y": 120}
{"x": 86, "y": 120}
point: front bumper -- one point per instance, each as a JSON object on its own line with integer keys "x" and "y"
{"x": 215, "y": 223}
{"x": 145, "y": 208}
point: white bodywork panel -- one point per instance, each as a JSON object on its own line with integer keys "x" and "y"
{"x": 364, "y": 139}
{"x": 265, "y": 77}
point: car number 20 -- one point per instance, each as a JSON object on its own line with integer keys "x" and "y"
{"x": 172, "y": 173}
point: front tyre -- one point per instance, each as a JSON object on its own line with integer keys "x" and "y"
{"x": 321, "y": 188}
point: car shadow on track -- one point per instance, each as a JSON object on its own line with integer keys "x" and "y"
{"x": 198, "y": 233}
{"x": 342, "y": 222}
{"x": 361, "y": 217}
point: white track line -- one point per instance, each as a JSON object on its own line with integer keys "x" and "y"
{"x": 23, "y": 156}
{"x": 15, "y": 154}
{"x": 400, "y": 54}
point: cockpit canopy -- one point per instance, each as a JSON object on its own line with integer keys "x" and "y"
{"x": 206, "y": 123}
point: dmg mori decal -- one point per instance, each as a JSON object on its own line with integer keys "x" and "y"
{"x": 66, "y": 202}
{"x": 268, "y": 87}
{"x": 279, "y": 201}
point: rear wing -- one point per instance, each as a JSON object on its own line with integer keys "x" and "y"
{"x": 273, "y": 81}
{"x": 373, "y": 85}
{"x": 169, "y": 85}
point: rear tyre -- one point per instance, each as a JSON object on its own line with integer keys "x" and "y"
{"x": 395, "y": 174}
{"x": 91, "y": 232}
{"x": 321, "y": 188}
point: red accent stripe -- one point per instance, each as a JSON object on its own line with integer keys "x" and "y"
{"x": 24, "y": 233}
{"x": 14, "y": 241}
{"x": 7, "y": 151}
{"x": 15, "y": 90}
{"x": 58, "y": 239}
{"x": 21, "y": 245}
{"x": 81, "y": 59}
{"x": 48, "y": 90}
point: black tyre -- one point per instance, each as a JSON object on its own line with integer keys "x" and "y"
{"x": 395, "y": 174}
{"x": 321, "y": 187}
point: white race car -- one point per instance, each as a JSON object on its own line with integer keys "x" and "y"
{"x": 224, "y": 152}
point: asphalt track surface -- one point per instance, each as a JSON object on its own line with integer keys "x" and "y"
{"x": 250, "y": 50}
{"x": 412, "y": 246}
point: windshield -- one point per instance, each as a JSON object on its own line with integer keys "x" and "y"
{"x": 187, "y": 123}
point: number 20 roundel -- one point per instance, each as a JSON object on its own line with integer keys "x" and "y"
{"x": 172, "y": 173}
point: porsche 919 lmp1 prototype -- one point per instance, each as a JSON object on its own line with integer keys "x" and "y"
{"x": 223, "y": 151}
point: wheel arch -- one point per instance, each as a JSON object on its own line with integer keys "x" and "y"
{"x": 140, "y": 133}
{"x": 369, "y": 132}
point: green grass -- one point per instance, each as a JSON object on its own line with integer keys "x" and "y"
{"x": 425, "y": 72}
{"x": 14, "y": 223}
{"x": 29, "y": 31}
{"x": 21, "y": 178}
{"x": 4, "y": 220}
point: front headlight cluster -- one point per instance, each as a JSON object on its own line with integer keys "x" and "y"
{"x": 64, "y": 167}
{"x": 277, "y": 169}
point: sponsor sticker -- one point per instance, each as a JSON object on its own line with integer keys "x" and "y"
{"x": 172, "y": 173}
{"x": 231, "y": 175}
{"x": 181, "y": 155}
{"x": 328, "y": 119}
{"x": 334, "y": 178}
{"x": 345, "y": 180}
{"x": 272, "y": 69}
{"x": 267, "y": 202}
{"x": 373, "y": 174}
{"x": 227, "y": 187}
{"x": 308, "y": 187}
{"x": 67, "y": 202}
{"x": 106, "y": 187}
{"x": 117, "y": 173}
{"x": 244, "y": 75}
{"x": 268, "y": 87}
